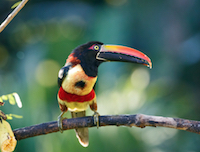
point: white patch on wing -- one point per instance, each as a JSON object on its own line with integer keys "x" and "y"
{"x": 60, "y": 74}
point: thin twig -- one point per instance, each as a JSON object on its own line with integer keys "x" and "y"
{"x": 12, "y": 15}
{"x": 138, "y": 120}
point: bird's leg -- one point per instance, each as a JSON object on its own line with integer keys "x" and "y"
{"x": 60, "y": 118}
{"x": 96, "y": 115}
{"x": 96, "y": 119}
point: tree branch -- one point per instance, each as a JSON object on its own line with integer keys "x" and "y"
{"x": 138, "y": 120}
{"x": 12, "y": 15}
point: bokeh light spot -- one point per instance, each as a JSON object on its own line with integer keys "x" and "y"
{"x": 160, "y": 135}
{"x": 140, "y": 78}
{"x": 20, "y": 55}
{"x": 47, "y": 72}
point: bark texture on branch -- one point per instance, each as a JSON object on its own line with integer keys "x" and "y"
{"x": 138, "y": 120}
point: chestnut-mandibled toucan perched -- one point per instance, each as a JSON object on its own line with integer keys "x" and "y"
{"x": 78, "y": 76}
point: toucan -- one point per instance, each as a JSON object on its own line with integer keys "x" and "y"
{"x": 76, "y": 79}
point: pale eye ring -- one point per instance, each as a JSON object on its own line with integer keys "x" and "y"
{"x": 96, "y": 47}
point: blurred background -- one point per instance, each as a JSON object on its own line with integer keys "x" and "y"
{"x": 35, "y": 45}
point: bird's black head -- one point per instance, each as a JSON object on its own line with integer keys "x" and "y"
{"x": 87, "y": 53}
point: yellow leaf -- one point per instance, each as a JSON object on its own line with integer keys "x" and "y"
{"x": 16, "y": 4}
{"x": 11, "y": 99}
{"x": 10, "y": 116}
{"x": 4, "y": 97}
{"x": 17, "y": 116}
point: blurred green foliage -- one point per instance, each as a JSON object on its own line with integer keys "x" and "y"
{"x": 37, "y": 42}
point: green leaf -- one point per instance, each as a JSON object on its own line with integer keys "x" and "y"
{"x": 16, "y": 4}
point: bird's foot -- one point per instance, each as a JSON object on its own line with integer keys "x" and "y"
{"x": 96, "y": 119}
{"x": 60, "y": 119}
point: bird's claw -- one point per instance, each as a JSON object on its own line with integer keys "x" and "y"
{"x": 60, "y": 125}
{"x": 96, "y": 119}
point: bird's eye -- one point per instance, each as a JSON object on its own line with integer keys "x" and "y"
{"x": 96, "y": 47}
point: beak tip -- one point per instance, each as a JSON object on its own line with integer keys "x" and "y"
{"x": 149, "y": 65}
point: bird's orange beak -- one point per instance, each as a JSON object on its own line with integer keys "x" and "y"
{"x": 123, "y": 54}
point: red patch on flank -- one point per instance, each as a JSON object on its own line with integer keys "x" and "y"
{"x": 72, "y": 59}
{"x": 63, "y": 95}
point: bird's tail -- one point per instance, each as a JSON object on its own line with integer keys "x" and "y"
{"x": 81, "y": 133}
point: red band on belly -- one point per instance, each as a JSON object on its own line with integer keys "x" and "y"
{"x": 63, "y": 95}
